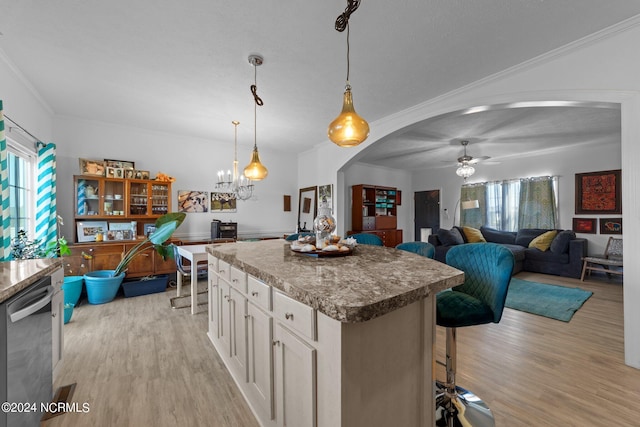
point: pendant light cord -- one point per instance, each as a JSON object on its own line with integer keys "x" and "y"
{"x": 342, "y": 23}
{"x": 258, "y": 101}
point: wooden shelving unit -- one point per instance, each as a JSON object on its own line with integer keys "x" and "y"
{"x": 374, "y": 210}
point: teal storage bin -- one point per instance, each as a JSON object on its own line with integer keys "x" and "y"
{"x": 72, "y": 287}
{"x": 102, "y": 287}
{"x": 68, "y": 312}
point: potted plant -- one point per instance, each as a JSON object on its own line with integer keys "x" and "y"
{"x": 102, "y": 285}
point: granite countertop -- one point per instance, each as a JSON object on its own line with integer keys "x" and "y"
{"x": 371, "y": 282}
{"x": 18, "y": 275}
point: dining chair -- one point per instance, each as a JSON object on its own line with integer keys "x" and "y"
{"x": 421, "y": 248}
{"x": 367, "y": 239}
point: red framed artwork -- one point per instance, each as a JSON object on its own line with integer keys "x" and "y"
{"x": 599, "y": 192}
{"x": 585, "y": 225}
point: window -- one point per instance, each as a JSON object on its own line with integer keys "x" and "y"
{"x": 512, "y": 204}
{"x": 21, "y": 170}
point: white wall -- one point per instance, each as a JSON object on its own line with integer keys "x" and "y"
{"x": 22, "y": 103}
{"x": 603, "y": 67}
{"x": 193, "y": 162}
{"x": 564, "y": 165}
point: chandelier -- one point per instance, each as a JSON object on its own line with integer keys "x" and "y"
{"x": 348, "y": 129}
{"x": 239, "y": 187}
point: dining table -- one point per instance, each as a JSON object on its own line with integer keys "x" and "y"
{"x": 195, "y": 254}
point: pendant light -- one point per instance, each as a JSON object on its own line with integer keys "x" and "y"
{"x": 255, "y": 171}
{"x": 348, "y": 129}
{"x": 237, "y": 185}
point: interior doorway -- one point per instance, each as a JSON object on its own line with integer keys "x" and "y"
{"x": 427, "y": 213}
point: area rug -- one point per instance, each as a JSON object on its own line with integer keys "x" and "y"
{"x": 556, "y": 302}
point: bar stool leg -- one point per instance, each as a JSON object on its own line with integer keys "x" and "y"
{"x": 455, "y": 406}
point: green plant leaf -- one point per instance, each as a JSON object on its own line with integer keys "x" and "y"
{"x": 163, "y": 232}
{"x": 179, "y": 217}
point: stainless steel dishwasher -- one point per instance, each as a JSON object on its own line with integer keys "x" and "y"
{"x": 25, "y": 355}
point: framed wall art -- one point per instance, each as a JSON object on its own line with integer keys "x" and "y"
{"x": 599, "y": 192}
{"x": 223, "y": 202}
{"x": 325, "y": 196}
{"x": 92, "y": 167}
{"x": 584, "y": 225}
{"x": 87, "y": 230}
{"x": 610, "y": 225}
{"x": 124, "y": 164}
{"x": 193, "y": 201}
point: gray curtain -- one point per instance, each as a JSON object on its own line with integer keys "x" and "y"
{"x": 475, "y": 217}
{"x": 537, "y": 203}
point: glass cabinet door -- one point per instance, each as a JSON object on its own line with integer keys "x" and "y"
{"x": 113, "y": 200}
{"x": 159, "y": 198}
{"x": 87, "y": 196}
{"x": 138, "y": 198}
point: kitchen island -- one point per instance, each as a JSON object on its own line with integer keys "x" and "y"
{"x": 333, "y": 341}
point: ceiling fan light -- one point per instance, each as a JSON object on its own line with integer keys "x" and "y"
{"x": 255, "y": 170}
{"x": 465, "y": 170}
{"x": 348, "y": 129}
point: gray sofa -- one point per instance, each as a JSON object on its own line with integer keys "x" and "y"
{"x": 563, "y": 258}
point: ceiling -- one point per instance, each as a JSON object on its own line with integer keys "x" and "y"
{"x": 182, "y": 68}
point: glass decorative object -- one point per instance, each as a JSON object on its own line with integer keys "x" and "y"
{"x": 324, "y": 224}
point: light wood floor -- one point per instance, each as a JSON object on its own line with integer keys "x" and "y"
{"x": 137, "y": 362}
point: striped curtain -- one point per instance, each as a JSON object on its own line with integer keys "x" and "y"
{"x": 5, "y": 237}
{"x": 46, "y": 218}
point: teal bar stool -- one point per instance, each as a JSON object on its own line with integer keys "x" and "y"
{"x": 367, "y": 239}
{"x": 421, "y": 248}
{"x": 480, "y": 299}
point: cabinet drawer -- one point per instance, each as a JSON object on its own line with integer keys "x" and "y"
{"x": 238, "y": 279}
{"x": 224, "y": 270}
{"x": 295, "y": 315}
{"x": 259, "y": 293}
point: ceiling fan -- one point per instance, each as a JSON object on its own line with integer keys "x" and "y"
{"x": 465, "y": 162}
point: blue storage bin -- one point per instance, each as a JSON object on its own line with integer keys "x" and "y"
{"x": 145, "y": 286}
{"x": 68, "y": 312}
{"x": 72, "y": 288}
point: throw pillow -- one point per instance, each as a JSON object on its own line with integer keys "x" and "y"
{"x": 450, "y": 237}
{"x": 560, "y": 244}
{"x": 473, "y": 235}
{"x": 544, "y": 240}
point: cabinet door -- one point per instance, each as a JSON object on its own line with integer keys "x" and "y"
{"x": 57, "y": 318}
{"x": 238, "y": 318}
{"x": 295, "y": 373}
{"x": 142, "y": 264}
{"x": 260, "y": 360}
{"x": 163, "y": 266}
{"x": 99, "y": 197}
{"x": 138, "y": 198}
{"x": 160, "y": 198}
{"x": 225, "y": 319}
{"x": 105, "y": 257}
{"x": 214, "y": 306}
{"x": 76, "y": 264}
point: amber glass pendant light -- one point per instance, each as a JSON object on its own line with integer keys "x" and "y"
{"x": 255, "y": 170}
{"x": 348, "y": 129}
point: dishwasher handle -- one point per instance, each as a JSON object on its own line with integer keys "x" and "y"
{"x": 34, "y": 307}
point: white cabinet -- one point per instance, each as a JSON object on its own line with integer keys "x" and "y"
{"x": 260, "y": 360}
{"x": 214, "y": 306}
{"x": 57, "y": 319}
{"x": 295, "y": 370}
{"x": 276, "y": 371}
{"x": 238, "y": 339}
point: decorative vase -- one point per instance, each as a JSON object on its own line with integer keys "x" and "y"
{"x": 324, "y": 224}
{"x": 72, "y": 287}
{"x": 102, "y": 286}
